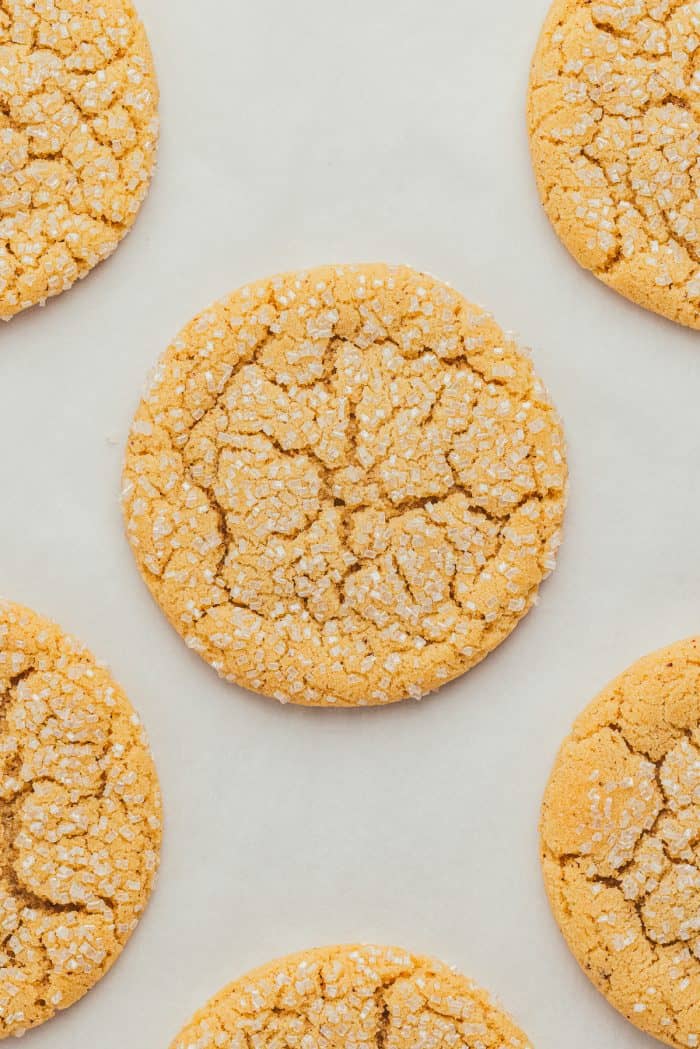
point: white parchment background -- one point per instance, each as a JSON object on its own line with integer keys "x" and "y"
{"x": 296, "y": 134}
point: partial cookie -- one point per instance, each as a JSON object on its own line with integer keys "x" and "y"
{"x": 80, "y": 820}
{"x": 340, "y": 997}
{"x": 344, "y": 486}
{"x": 78, "y": 134}
{"x": 614, "y": 120}
{"x": 621, "y": 843}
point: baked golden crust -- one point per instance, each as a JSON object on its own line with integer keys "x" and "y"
{"x": 614, "y": 121}
{"x": 81, "y": 821}
{"x": 351, "y": 997}
{"x": 344, "y": 486}
{"x": 78, "y": 135}
{"x": 621, "y": 843}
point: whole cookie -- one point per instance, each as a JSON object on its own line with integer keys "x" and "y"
{"x": 80, "y": 820}
{"x": 344, "y": 486}
{"x": 78, "y": 133}
{"x": 342, "y": 997}
{"x": 614, "y": 119}
{"x": 621, "y": 843}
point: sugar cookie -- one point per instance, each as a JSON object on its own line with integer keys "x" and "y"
{"x": 80, "y": 820}
{"x": 78, "y": 132}
{"x": 621, "y": 843}
{"x": 614, "y": 120}
{"x": 342, "y": 997}
{"x": 344, "y": 486}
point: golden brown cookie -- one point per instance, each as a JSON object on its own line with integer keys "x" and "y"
{"x": 80, "y": 828}
{"x": 614, "y": 120}
{"x": 78, "y": 133}
{"x": 621, "y": 843}
{"x": 342, "y": 997}
{"x": 344, "y": 486}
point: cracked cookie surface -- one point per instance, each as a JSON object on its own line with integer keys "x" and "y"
{"x": 614, "y": 121}
{"x": 78, "y": 134}
{"x": 344, "y": 486}
{"x": 80, "y": 828}
{"x": 621, "y": 843}
{"x": 352, "y": 998}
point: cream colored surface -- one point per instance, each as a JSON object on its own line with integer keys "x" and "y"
{"x": 614, "y": 119}
{"x": 80, "y": 809}
{"x": 345, "y": 485}
{"x": 343, "y": 997}
{"x": 78, "y": 132}
{"x": 292, "y": 157}
{"x": 620, "y": 833}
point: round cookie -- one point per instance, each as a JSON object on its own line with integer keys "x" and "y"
{"x": 78, "y": 134}
{"x": 340, "y": 997}
{"x": 614, "y": 121}
{"x": 344, "y": 486}
{"x": 621, "y": 843}
{"x": 80, "y": 832}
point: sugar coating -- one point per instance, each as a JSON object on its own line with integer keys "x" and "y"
{"x": 621, "y": 843}
{"x": 352, "y": 998}
{"x": 78, "y": 134}
{"x": 80, "y": 829}
{"x": 344, "y": 486}
{"x": 614, "y": 119}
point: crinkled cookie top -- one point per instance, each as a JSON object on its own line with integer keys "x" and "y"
{"x": 344, "y": 486}
{"x": 78, "y": 133}
{"x": 352, "y": 998}
{"x": 621, "y": 843}
{"x": 614, "y": 117}
{"x": 80, "y": 831}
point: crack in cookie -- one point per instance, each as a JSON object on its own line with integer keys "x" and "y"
{"x": 621, "y": 843}
{"x": 614, "y": 119}
{"x": 79, "y": 820}
{"x": 78, "y": 135}
{"x": 344, "y": 486}
{"x": 352, "y": 996}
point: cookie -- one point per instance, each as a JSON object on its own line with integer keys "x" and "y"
{"x": 344, "y": 486}
{"x": 78, "y": 133}
{"x": 621, "y": 843}
{"x": 614, "y": 121}
{"x": 80, "y": 831}
{"x": 342, "y": 997}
